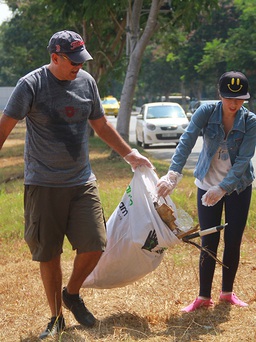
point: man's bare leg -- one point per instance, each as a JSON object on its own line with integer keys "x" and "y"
{"x": 51, "y": 275}
{"x": 84, "y": 264}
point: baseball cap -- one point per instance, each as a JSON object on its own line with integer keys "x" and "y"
{"x": 234, "y": 84}
{"x": 71, "y": 44}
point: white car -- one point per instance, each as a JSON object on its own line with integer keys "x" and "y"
{"x": 160, "y": 123}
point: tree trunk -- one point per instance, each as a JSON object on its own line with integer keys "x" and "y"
{"x": 137, "y": 47}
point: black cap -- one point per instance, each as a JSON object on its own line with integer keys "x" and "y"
{"x": 234, "y": 84}
{"x": 71, "y": 44}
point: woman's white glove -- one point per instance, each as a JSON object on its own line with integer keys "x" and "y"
{"x": 167, "y": 183}
{"x": 136, "y": 159}
{"x": 213, "y": 196}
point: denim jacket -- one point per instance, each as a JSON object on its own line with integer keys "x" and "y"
{"x": 241, "y": 141}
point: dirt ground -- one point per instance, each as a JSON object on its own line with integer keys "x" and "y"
{"x": 148, "y": 310}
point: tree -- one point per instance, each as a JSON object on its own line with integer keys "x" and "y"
{"x": 104, "y": 26}
{"x": 197, "y": 55}
{"x": 240, "y": 45}
{"x": 234, "y": 50}
{"x": 158, "y": 76}
{"x": 23, "y": 41}
{"x": 182, "y": 15}
{"x": 201, "y": 73}
{"x": 137, "y": 46}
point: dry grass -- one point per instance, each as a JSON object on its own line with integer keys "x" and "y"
{"x": 148, "y": 310}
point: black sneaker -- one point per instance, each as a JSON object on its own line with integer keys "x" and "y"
{"x": 76, "y": 305}
{"x": 54, "y": 327}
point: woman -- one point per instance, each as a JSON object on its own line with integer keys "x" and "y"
{"x": 224, "y": 175}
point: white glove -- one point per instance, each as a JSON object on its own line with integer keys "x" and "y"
{"x": 136, "y": 159}
{"x": 167, "y": 183}
{"x": 213, "y": 195}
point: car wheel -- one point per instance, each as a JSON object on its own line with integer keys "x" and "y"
{"x": 139, "y": 143}
{"x": 144, "y": 145}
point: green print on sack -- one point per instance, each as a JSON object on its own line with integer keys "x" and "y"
{"x": 128, "y": 191}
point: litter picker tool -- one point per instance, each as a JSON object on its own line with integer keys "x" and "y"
{"x": 205, "y": 232}
{"x": 167, "y": 214}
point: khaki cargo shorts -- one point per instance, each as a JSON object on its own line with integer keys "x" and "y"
{"x": 53, "y": 213}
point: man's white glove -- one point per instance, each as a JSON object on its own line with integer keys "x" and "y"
{"x": 136, "y": 159}
{"x": 167, "y": 183}
{"x": 213, "y": 196}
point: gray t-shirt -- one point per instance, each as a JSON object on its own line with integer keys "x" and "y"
{"x": 57, "y": 113}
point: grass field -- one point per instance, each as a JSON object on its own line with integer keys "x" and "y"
{"x": 149, "y": 309}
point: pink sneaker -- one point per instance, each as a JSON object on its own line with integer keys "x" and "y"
{"x": 197, "y": 303}
{"x": 232, "y": 299}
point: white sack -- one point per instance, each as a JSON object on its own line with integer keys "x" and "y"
{"x": 136, "y": 236}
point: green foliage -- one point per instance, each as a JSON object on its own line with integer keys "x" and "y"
{"x": 162, "y": 73}
{"x": 102, "y": 25}
{"x": 235, "y": 50}
{"x": 198, "y": 56}
{"x": 213, "y": 51}
{"x": 187, "y": 13}
{"x": 189, "y": 50}
{"x": 252, "y": 213}
{"x": 240, "y": 45}
{"x": 195, "y": 43}
{"x": 23, "y": 42}
{"x": 201, "y": 76}
{"x": 11, "y": 204}
{"x": 112, "y": 184}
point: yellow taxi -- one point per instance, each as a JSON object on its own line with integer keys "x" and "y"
{"x": 111, "y": 105}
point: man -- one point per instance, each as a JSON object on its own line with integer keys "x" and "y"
{"x": 61, "y": 196}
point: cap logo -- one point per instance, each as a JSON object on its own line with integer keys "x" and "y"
{"x": 57, "y": 48}
{"x": 235, "y": 85}
{"x": 76, "y": 44}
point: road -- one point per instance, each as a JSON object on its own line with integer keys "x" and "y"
{"x": 165, "y": 153}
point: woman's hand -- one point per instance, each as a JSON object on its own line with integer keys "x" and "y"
{"x": 167, "y": 183}
{"x": 213, "y": 196}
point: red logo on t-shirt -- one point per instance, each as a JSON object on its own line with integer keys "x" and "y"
{"x": 70, "y": 111}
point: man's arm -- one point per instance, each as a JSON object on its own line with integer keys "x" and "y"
{"x": 106, "y": 131}
{"x": 6, "y": 126}
{"x": 109, "y": 135}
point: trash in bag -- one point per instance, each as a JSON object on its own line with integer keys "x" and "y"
{"x": 137, "y": 237}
